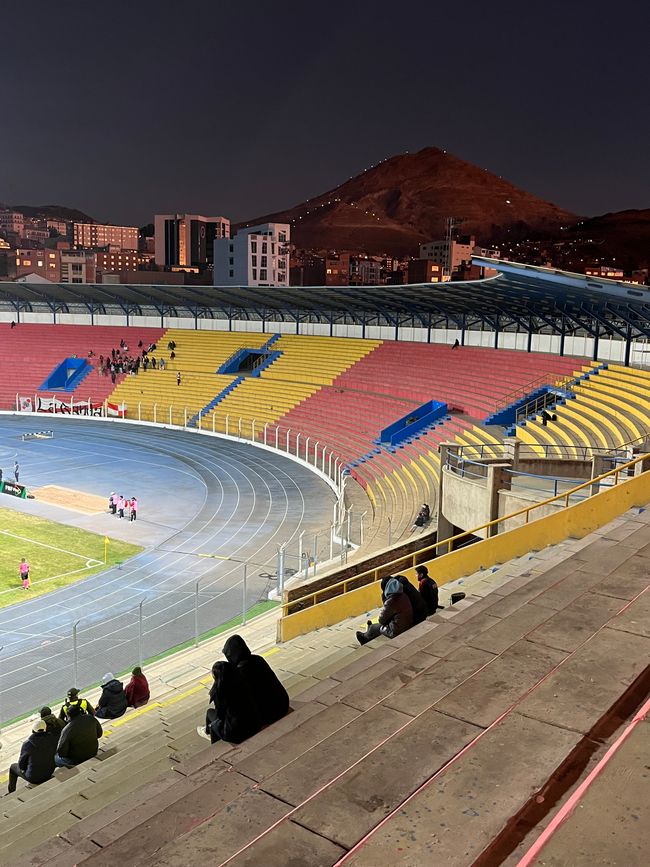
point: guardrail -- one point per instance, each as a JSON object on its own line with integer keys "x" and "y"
{"x": 429, "y": 552}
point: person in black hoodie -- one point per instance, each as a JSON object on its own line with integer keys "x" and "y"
{"x": 270, "y": 697}
{"x": 79, "y": 740}
{"x": 394, "y": 618}
{"x": 428, "y": 589}
{"x": 54, "y": 723}
{"x": 234, "y": 716}
{"x": 36, "y": 762}
{"x": 113, "y": 701}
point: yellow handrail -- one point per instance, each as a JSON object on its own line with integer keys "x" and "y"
{"x": 313, "y": 596}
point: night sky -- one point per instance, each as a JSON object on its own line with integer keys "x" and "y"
{"x": 125, "y": 109}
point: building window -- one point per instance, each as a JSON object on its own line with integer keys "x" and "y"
{"x": 231, "y": 261}
{"x": 232, "y": 248}
{"x": 264, "y": 262}
{"x": 263, "y": 274}
{"x": 282, "y": 237}
{"x": 264, "y": 247}
{"x": 231, "y": 273}
{"x": 254, "y": 273}
{"x": 253, "y": 246}
{"x": 282, "y": 276}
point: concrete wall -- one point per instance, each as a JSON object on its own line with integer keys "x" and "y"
{"x": 465, "y": 502}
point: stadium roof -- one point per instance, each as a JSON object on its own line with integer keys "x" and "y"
{"x": 520, "y": 297}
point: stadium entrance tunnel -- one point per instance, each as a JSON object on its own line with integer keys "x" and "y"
{"x": 249, "y": 361}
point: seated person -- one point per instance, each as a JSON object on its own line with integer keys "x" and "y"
{"x": 72, "y": 700}
{"x": 234, "y": 716}
{"x": 112, "y": 702}
{"x": 428, "y": 589}
{"x": 269, "y": 695}
{"x": 424, "y": 516}
{"x": 79, "y": 740}
{"x": 36, "y": 762}
{"x": 137, "y": 689}
{"x": 54, "y": 723}
{"x": 417, "y": 602}
{"x": 394, "y": 618}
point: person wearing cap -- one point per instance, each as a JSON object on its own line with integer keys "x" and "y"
{"x": 36, "y": 762}
{"x": 112, "y": 702}
{"x": 79, "y": 740}
{"x": 72, "y": 700}
{"x": 54, "y": 723}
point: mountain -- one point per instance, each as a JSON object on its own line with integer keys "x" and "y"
{"x": 622, "y": 238}
{"x": 52, "y": 212}
{"x": 405, "y": 200}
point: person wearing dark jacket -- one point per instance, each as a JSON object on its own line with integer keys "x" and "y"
{"x": 137, "y": 689}
{"x": 79, "y": 740}
{"x": 394, "y": 618}
{"x": 428, "y": 589}
{"x": 73, "y": 699}
{"x": 36, "y": 762}
{"x": 270, "y": 697}
{"x": 112, "y": 701}
{"x": 234, "y": 716}
{"x": 54, "y": 723}
{"x": 417, "y": 602}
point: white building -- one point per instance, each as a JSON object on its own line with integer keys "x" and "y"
{"x": 187, "y": 240}
{"x": 452, "y": 254}
{"x": 90, "y": 235}
{"x": 255, "y": 256}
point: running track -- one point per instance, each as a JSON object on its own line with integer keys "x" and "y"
{"x": 197, "y": 495}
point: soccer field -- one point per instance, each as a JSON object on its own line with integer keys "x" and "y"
{"x": 57, "y": 555}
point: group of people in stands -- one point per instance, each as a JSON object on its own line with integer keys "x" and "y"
{"x": 404, "y": 605}
{"x": 120, "y": 361}
{"x": 72, "y": 737}
{"x": 246, "y": 695}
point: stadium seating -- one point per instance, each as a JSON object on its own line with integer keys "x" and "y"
{"x": 29, "y": 353}
{"x": 503, "y": 682}
{"x": 611, "y": 409}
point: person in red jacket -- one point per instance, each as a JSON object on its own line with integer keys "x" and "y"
{"x": 137, "y": 689}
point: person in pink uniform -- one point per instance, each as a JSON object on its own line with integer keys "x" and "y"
{"x": 24, "y": 573}
{"x": 134, "y": 508}
{"x": 121, "y": 505}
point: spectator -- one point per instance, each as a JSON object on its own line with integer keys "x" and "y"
{"x": 394, "y": 618}
{"x": 13, "y": 323}
{"x": 137, "y": 689}
{"x": 16, "y": 471}
{"x": 79, "y": 740}
{"x": 162, "y": 364}
{"x": 269, "y": 695}
{"x": 112, "y": 702}
{"x": 36, "y": 762}
{"x": 417, "y": 602}
{"x": 428, "y": 589}
{"x": 172, "y": 355}
{"x": 178, "y": 378}
{"x": 456, "y": 344}
{"x": 73, "y": 700}
{"x": 234, "y": 716}
{"x": 53, "y": 723}
{"x": 424, "y": 516}
{"x": 139, "y": 344}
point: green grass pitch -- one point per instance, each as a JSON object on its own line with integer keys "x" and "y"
{"x": 57, "y": 554}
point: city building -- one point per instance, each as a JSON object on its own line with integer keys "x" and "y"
{"x": 12, "y": 221}
{"x": 337, "y": 269}
{"x": 449, "y": 253}
{"x": 87, "y": 236}
{"x": 364, "y": 271}
{"x": 187, "y": 239}
{"x": 34, "y": 233}
{"x": 425, "y": 271}
{"x": 60, "y": 227}
{"x": 47, "y": 263}
{"x": 113, "y": 260}
{"x": 609, "y": 272}
{"x": 77, "y": 266}
{"x": 255, "y": 256}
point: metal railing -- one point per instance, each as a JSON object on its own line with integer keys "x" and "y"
{"x": 550, "y": 379}
{"x": 446, "y": 546}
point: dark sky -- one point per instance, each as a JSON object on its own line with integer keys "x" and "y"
{"x": 239, "y": 108}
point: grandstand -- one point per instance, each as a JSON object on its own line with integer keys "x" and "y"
{"x": 444, "y": 744}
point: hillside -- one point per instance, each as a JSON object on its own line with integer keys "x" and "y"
{"x": 405, "y": 200}
{"x": 52, "y": 212}
{"x": 622, "y": 237}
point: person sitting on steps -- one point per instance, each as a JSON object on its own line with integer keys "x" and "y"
{"x": 394, "y": 618}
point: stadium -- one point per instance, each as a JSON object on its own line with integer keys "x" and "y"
{"x": 280, "y": 445}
